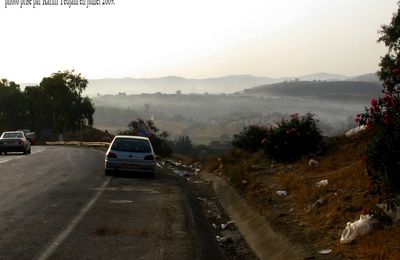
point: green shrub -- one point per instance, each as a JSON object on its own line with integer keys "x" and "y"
{"x": 291, "y": 139}
{"x": 250, "y": 138}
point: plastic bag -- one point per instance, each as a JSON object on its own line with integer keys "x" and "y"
{"x": 357, "y": 228}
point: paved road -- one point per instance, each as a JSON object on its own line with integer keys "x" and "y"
{"x": 57, "y": 204}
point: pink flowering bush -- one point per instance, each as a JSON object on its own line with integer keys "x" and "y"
{"x": 288, "y": 140}
{"x": 292, "y": 139}
{"x": 383, "y": 153}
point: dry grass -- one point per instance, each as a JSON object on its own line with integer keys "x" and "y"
{"x": 342, "y": 199}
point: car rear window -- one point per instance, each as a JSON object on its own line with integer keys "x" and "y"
{"x": 131, "y": 145}
{"x": 12, "y": 135}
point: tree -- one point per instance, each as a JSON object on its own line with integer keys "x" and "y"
{"x": 12, "y": 105}
{"x": 183, "y": 145}
{"x": 69, "y": 110}
{"x": 147, "y": 128}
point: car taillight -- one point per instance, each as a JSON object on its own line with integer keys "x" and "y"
{"x": 21, "y": 142}
{"x": 149, "y": 157}
{"x": 111, "y": 155}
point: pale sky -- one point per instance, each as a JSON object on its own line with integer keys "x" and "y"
{"x": 193, "y": 38}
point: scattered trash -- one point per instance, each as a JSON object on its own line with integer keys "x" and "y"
{"x": 325, "y": 251}
{"x": 313, "y": 163}
{"x": 281, "y": 193}
{"x": 291, "y": 210}
{"x": 120, "y": 201}
{"x": 223, "y": 239}
{"x": 244, "y": 182}
{"x": 358, "y": 228}
{"x": 318, "y": 203}
{"x": 214, "y": 226}
{"x": 218, "y": 217}
{"x": 223, "y": 226}
{"x": 355, "y": 130}
{"x": 321, "y": 183}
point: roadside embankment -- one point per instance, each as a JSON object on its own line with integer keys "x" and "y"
{"x": 265, "y": 242}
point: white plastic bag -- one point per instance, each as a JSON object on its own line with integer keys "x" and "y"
{"x": 357, "y": 228}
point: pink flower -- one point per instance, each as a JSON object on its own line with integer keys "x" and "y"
{"x": 369, "y": 124}
{"x": 390, "y": 101}
{"x": 371, "y": 110}
{"x": 374, "y": 103}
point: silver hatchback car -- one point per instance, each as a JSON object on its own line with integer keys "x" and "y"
{"x": 130, "y": 154}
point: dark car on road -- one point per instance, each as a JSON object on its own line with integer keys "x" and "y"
{"x": 130, "y": 154}
{"x": 14, "y": 141}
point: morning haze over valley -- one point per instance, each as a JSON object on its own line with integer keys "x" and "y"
{"x": 211, "y": 108}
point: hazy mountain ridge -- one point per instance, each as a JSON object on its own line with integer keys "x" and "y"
{"x": 323, "y": 90}
{"x": 226, "y": 84}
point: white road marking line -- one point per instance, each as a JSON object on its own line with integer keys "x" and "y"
{"x": 59, "y": 239}
{"x": 39, "y": 151}
{"x": 4, "y": 161}
{"x": 20, "y": 156}
{"x": 10, "y": 159}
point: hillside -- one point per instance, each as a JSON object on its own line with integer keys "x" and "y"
{"x": 310, "y": 214}
{"x": 326, "y": 90}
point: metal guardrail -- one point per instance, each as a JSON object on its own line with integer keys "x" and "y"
{"x": 78, "y": 143}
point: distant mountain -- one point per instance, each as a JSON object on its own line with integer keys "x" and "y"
{"x": 226, "y": 84}
{"x": 171, "y": 84}
{"x": 322, "y": 90}
{"x": 323, "y": 77}
{"x": 371, "y": 77}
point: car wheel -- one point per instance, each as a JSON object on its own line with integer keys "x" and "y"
{"x": 29, "y": 151}
{"x": 108, "y": 172}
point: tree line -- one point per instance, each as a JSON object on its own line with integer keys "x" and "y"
{"x": 54, "y": 106}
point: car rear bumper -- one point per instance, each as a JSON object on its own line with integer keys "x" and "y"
{"x": 130, "y": 166}
{"x": 12, "y": 148}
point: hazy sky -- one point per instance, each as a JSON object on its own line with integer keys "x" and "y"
{"x": 197, "y": 39}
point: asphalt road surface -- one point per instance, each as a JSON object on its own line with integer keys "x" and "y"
{"x": 57, "y": 204}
